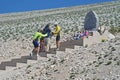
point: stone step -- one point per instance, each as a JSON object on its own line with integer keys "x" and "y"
{"x": 12, "y": 62}
{"x": 9, "y": 68}
{"x": 21, "y": 64}
{"x": 18, "y": 65}
{"x": 43, "y": 54}
{"x": 2, "y": 67}
{"x": 52, "y": 51}
{"x": 9, "y": 59}
{"x": 19, "y": 60}
{"x": 68, "y": 50}
{"x": 70, "y": 44}
{"x": 58, "y": 52}
{"x": 7, "y": 63}
{"x": 31, "y": 61}
{"x": 66, "y": 45}
{"x": 77, "y": 47}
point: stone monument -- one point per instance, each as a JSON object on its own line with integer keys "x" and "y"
{"x": 99, "y": 33}
{"x": 91, "y": 21}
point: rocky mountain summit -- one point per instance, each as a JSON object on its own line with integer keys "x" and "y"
{"x": 17, "y": 29}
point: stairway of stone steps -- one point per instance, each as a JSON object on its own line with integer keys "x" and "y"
{"x": 70, "y": 44}
{"x": 26, "y": 59}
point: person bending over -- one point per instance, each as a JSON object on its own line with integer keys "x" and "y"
{"x": 36, "y": 40}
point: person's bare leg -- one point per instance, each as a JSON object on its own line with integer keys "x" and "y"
{"x": 34, "y": 50}
{"x": 48, "y": 44}
{"x": 45, "y": 48}
{"x": 58, "y": 44}
{"x": 38, "y": 49}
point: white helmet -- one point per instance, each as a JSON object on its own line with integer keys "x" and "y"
{"x": 55, "y": 23}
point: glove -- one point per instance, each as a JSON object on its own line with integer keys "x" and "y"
{"x": 52, "y": 34}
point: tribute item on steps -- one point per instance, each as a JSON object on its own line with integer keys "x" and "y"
{"x": 91, "y": 21}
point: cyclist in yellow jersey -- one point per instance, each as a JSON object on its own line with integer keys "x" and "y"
{"x": 36, "y": 40}
{"x": 57, "y": 33}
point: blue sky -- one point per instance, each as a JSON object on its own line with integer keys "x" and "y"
{"x": 9, "y": 6}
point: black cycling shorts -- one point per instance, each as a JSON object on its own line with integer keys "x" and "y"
{"x": 36, "y": 43}
{"x": 57, "y": 38}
